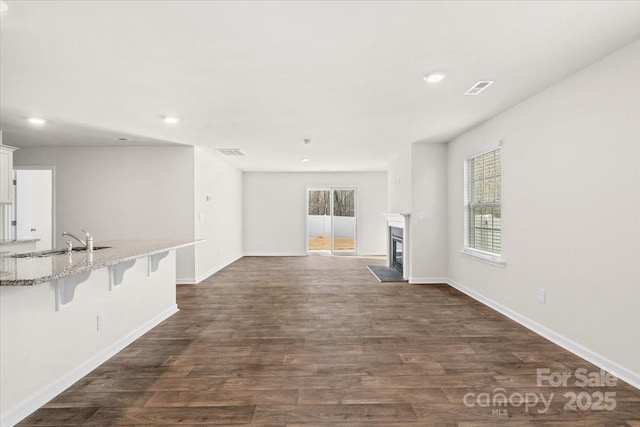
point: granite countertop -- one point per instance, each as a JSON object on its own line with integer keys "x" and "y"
{"x": 17, "y": 242}
{"x": 29, "y": 271}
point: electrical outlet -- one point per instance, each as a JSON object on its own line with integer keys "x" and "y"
{"x": 99, "y": 322}
{"x": 542, "y": 296}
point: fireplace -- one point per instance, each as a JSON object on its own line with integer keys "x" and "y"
{"x": 398, "y": 247}
{"x": 396, "y": 252}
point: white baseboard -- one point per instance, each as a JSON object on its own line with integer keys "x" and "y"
{"x": 428, "y": 280}
{"x": 207, "y": 274}
{"x": 302, "y": 254}
{"x": 275, "y": 254}
{"x": 27, "y": 407}
{"x": 602, "y": 362}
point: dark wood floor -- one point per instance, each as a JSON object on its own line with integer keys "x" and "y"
{"x": 317, "y": 341}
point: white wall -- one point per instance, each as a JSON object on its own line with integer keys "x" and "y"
{"x": 417, "y": 177}
{"x": 571, "y": 211}
{"x": 429, "y": 221}
{"x": 275, "y": 210}
{"x": 123, "y": 193}
{"x": 399, "y": 182}
{"x": 218, "y": 220}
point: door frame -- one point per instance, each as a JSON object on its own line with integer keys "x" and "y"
{"x": 331, "y": 188}
{"x": 52, "y": 168}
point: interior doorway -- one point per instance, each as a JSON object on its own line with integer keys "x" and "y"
{"x": 34, "y": 205}
{"x": 331, "y": 220}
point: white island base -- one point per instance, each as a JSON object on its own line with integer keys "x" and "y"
{"x": 45, "y": 347}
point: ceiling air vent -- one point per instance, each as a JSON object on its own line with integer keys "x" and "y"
{"x": 230, "y": 151}
{"x": 478, "y": 87}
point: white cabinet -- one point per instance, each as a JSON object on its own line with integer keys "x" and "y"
{"x": 6, "y": 174}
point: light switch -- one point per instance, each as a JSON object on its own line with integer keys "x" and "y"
{"x": 99, "y": 322}
{"x": 201, "y": 216}
{"x": 542, "y": 296}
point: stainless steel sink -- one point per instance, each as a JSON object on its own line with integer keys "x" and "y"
{"x": 95, "y": 248}
{"x": 51, "y": 252}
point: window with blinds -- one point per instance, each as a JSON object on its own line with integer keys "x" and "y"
{"x": 484, "y": 219}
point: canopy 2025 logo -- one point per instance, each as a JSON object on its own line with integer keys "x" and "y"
{"x": 581, "y": 377}
{"x": 499, "y": 400}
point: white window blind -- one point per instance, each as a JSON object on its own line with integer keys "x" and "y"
{"x": 484, "y": 218}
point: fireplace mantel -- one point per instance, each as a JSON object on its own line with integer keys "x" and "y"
{"x": 397, "y": 219}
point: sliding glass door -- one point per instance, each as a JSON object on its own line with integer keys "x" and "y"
{"x": 319, "y": 220}
{"x": 331, "y": 220}
{"x": 343, "y": 223}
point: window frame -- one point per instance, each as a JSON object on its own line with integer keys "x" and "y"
{"x": 494, "y": 258}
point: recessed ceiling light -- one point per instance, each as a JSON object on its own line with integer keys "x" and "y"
{"x": 304, "y": 159}
{"x": 3, "y": 7}
{"x": 171, "y": 120}
{"x": 434, "y": 77}
{"x": 307, "y": 141}
{"x": 37, "y": 121}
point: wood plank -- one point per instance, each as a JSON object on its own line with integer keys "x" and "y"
{"x": 317, "y": 341}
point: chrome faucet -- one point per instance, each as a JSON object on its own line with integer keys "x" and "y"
{"x": 71, "y": 235}
{"x": 88, "y": 243}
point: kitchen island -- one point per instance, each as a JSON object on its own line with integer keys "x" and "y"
{"x": 62, "y": 315}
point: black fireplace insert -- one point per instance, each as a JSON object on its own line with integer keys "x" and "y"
{"x": 396, "y": 248}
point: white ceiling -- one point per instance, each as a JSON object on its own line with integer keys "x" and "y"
{"x": 263, "y": 76}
